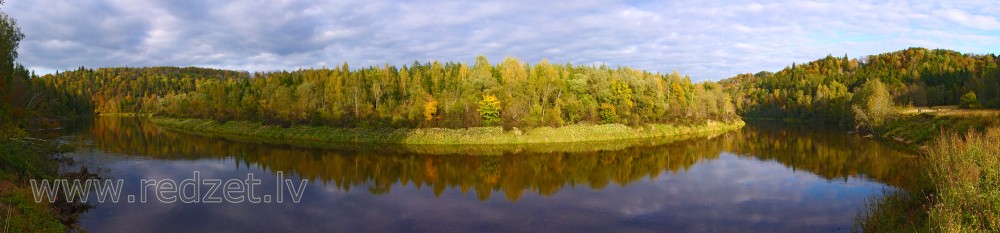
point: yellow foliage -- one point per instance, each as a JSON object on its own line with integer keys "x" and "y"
{"x": 430, "y": 109}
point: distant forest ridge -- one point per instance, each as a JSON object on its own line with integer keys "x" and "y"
{"x": 823, "y": 89}
{"x": 433, "y": 94}
{"x": 511, "y": 93}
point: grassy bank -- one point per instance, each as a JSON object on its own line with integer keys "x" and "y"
{"x": 439, "y": 136}
{"x": 21, "y": 160}
{"x": 918, "y": 128}
{"x": 960, "y": 188}
{"x": 965, "y": 171}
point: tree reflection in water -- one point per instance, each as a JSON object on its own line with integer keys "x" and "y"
{"x": 543, "y": 169}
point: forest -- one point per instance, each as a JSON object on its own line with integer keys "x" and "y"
{"x": 960, "y": 193}
{"x": 434, "y": 94}
{"x": 511, "y": 93}
{"x": 823, "y": 90}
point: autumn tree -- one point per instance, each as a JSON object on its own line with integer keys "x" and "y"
{"x": 489, "y": 110}
{"x": 608, "y": 113}
{"x": 430, "y": 109}
{"x": 872, "y": 104}
{"x": 430, "y": 94}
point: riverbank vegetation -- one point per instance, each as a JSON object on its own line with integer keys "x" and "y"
{"x": 23, "y": 159}
{"x": 823, "y": 90}
{"x": 256, "y": 131}
{"x": 421, "y": 103}
{"x": 516, "y": 102}
{"x": 965, "y": 171}
{"x": 919, "y": 126}
{"x": 899, "y": 96}
{"x": 22, "y": 155}
{"x": 421, "y": 95}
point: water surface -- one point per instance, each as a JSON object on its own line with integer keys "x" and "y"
{"x": 762, "y": 178}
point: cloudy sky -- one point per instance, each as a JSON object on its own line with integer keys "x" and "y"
{"x": 709, "y": 40}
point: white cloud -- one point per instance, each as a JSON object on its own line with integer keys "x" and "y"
{"x": 973, "y": 21}
{"x": 708, "y": 40}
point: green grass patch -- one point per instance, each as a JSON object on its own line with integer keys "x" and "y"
{"x": 919, "y": 129}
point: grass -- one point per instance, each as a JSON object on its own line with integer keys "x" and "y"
{"x": 20, "y": 213}
{"x": 950, "y": 110}
{"x": 21, "y": 160}
{"x": 440, "y": 136}
{"x": 894, "y": 211}
{"x": 965, "y": 172}
{"x": 126, "y": 114}
{"x": 918, "y": 128}
{"x": 960, "y": 175}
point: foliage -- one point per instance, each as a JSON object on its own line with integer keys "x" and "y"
{"x": 437, "y": 136}
{"x": 821, "y": 90}
{"x": 430, "y": 109}
{"x": 872, "y": 104}
{"x": 10, "y": 38}
{"x": 489, "y": 110}
{"x": 542, "y": 94}
{"x": 608, "y": 113}
{"x": 969, "y": 101}
{"x": 24, "y": 102}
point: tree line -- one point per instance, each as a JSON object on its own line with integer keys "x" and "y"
{"x": 826, "y": 89}
{"x": 433, "y": 94}
{"x": 23, "y": 95}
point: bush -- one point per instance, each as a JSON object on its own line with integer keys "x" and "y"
{"x": 969, "y": 101}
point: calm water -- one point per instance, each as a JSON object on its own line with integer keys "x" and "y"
{"x": 763, "y": 178}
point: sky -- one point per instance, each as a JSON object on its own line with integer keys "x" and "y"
{"x": 709, "y": 40}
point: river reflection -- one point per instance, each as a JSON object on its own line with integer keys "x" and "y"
{"x": 764, "y": 177}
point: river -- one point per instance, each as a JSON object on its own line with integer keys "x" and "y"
{"x": 766, "y": 177}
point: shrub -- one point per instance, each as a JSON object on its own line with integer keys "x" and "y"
{"x": 969, "y": 101}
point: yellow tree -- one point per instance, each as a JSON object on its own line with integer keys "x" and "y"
{"x": 430, "y": 108}
{"x": 489, "y": 110}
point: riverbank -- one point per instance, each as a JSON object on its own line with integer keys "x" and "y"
{"x": 918, "y": 129}
{"x": 960, "y": 188}
{"x": 439, "y": 136}
{"x": 21, "y": 160}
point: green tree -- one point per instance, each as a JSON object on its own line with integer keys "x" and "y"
{"x": 489, "y": 110}
{"x": 608, "y": 113}
{"x": 872, "y": 104}
{"x": 10, "y": 37}
{"x": 969, "y": 101}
